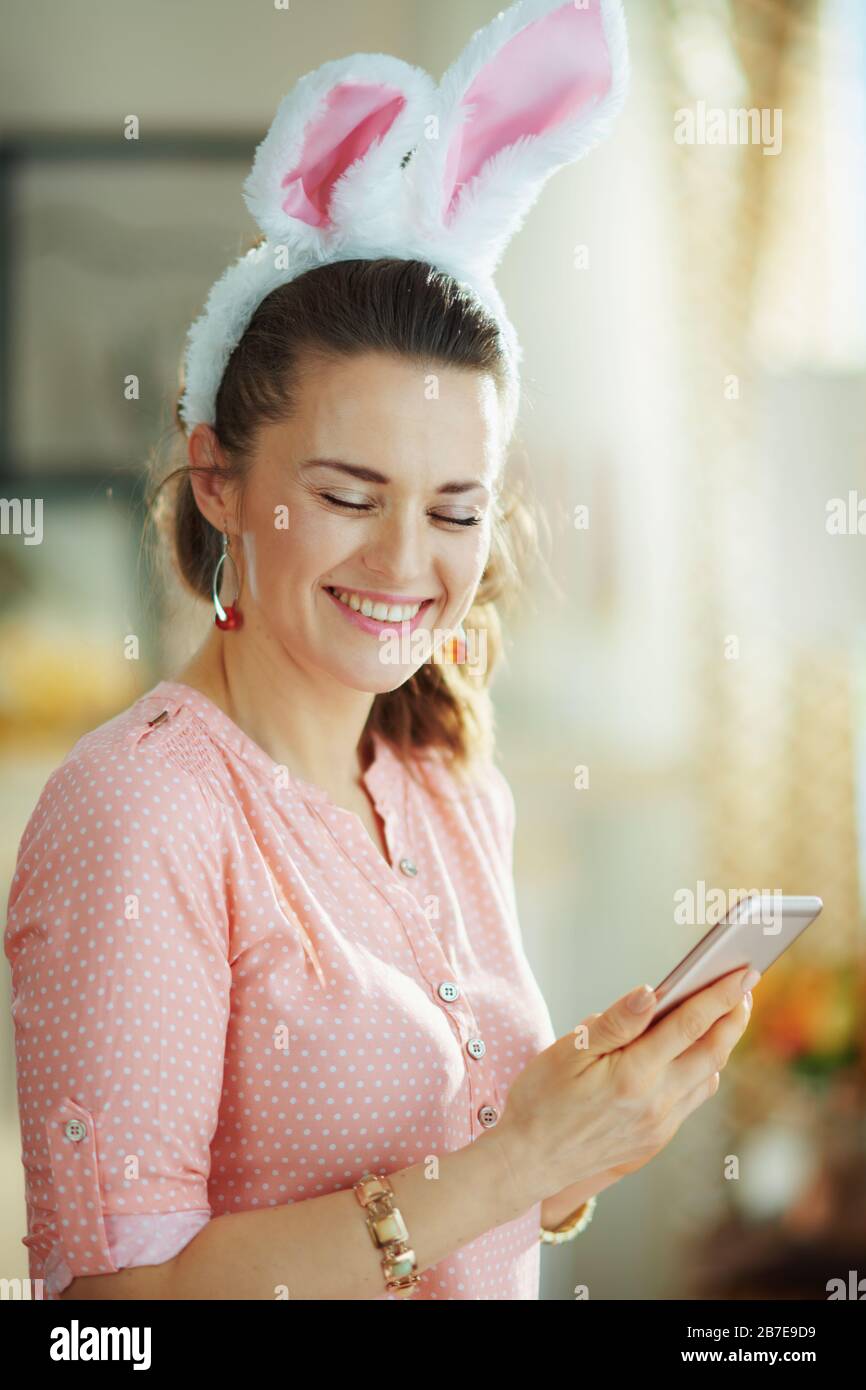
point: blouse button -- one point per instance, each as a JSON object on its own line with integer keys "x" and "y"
{"x": 476, "y": 1047}
{"x": 407, "y": 867}
{"x": 449, "y": 991}
{"x": 75, "y": 1130}
{"x": 488, "y": 1115}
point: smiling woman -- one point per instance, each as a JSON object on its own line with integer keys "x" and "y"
{"x": 369, "y": 401}
{"x": 327, "y": 841}
{"x": 269, "y": 985}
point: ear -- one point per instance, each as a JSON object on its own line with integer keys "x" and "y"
{"x": 533, "y": 90}
{"x": 332, "y": 158}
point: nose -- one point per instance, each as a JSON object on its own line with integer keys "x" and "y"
{"x": 399, "y": 552}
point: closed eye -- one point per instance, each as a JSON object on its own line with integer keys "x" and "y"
{"x": 437, "y": 516}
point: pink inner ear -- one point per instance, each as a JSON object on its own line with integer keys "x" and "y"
{"x": 537, "y": 80}
{"x": 356, "y": 114}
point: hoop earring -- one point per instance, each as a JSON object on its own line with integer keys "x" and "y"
{"x": 226, "y": 618}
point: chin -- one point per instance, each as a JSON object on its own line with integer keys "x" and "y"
{"x": 380, "y": 682}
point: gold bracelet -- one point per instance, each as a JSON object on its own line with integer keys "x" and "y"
{"x": 388, "y": 1233}
{"x": 572, "y": 1226}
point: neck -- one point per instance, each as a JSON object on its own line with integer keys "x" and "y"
{"x": 300, "y": 718}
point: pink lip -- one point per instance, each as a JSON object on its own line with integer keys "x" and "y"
{"x": 373, "y": 625}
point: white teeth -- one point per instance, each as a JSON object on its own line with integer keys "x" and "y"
{"x": 383, "y": 612}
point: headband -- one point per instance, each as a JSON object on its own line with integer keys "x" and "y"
{"x": 366, "y": 157}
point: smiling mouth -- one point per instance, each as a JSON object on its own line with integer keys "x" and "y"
{"x": 377, "y": 611}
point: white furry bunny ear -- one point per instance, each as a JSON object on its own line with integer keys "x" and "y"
{"x": 331, "y": 163}
{"x": 533, "y": 90}
{"x": 333, "y": 178}
{"x": 327, "y": 183}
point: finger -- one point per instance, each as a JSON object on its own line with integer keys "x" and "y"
{"x": 711, "y": 1052}
{"x": 692, "y": 1100}
{"x": 683, "y": 1026}
{"x": 619, "y": 1025}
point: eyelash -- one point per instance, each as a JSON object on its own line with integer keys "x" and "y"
{"x": 364, "y": 507}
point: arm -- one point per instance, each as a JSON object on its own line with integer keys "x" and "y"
{"x": 117, "y": 943}
{"x": 320, "y": 1248}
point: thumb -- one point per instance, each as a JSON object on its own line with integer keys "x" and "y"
{"x": 620, "y": 1024}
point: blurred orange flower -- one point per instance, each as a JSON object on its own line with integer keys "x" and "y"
{"x": 811, "y": 1016}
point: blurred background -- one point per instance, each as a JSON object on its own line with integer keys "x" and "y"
{"x": 685, "y": 703}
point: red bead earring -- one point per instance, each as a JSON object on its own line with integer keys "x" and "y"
{"x": 226, "y": 618}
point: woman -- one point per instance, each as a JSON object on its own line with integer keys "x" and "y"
{"x": 276, "y": 1033}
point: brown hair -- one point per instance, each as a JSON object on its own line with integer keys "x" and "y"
{"x": 403, "y": 307}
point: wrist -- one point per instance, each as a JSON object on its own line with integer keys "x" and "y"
{"x": 513, "y": 1172}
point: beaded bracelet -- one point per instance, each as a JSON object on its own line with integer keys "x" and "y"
{"x": 572, "y": 1226}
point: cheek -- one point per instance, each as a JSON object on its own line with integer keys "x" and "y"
{"x": 461, "y": 566}
{"x": 470, "y": 557}
{"x": 285, "y": 549}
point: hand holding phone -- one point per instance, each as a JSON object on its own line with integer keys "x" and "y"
{"x": 755, "y": 932}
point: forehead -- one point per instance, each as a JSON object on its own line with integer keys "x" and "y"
{"x": 397, "y": 411}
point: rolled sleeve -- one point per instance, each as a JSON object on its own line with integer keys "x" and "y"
{"x": 117, "y": 938}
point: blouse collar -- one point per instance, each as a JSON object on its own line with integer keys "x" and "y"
{"x": 378, "y": 778}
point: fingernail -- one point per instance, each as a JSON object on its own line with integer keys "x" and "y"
{"x": 640, "y": 999}
{"x": 751, "y": 979}
{"x": 748, "y": 1000}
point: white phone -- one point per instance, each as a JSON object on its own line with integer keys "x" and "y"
{"x": 755, "y": 932}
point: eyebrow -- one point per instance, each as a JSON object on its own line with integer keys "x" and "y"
{"x": 372, "y": 475}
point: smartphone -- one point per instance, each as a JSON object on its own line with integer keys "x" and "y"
{"x": 755, "y": 932}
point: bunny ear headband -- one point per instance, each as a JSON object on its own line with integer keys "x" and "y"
{"x": 366, "y": 158}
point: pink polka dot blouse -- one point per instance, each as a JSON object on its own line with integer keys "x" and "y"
{"x": 224, "y": 997}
